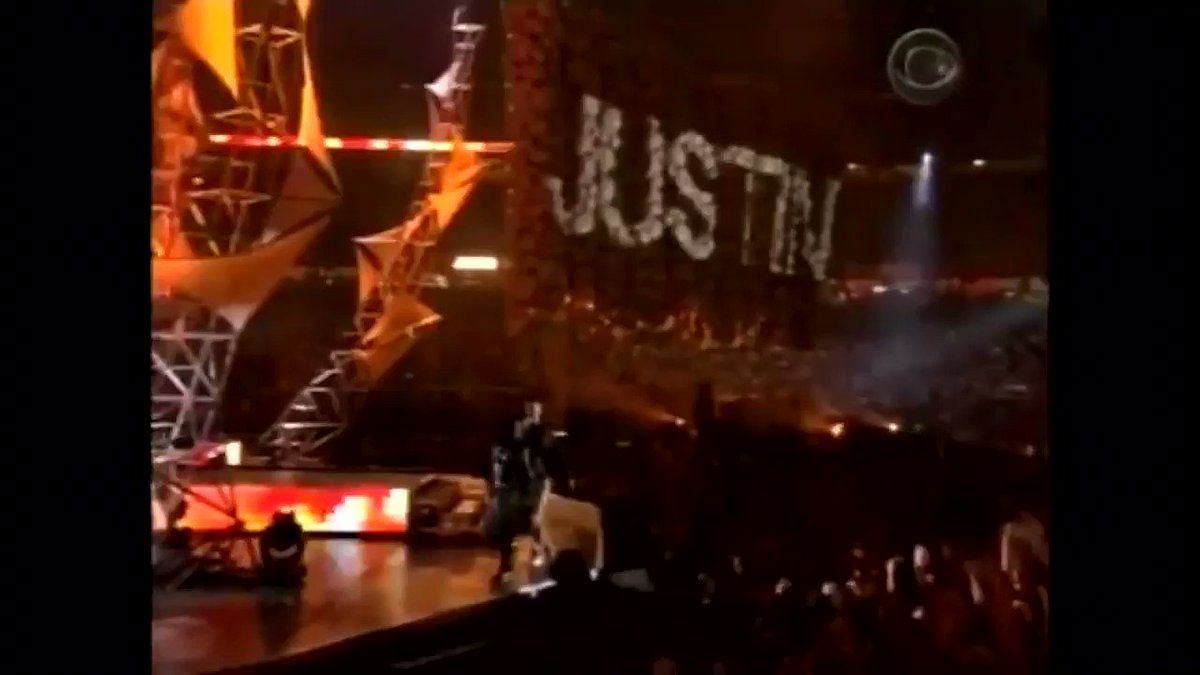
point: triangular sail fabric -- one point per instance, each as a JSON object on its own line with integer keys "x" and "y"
{"x": 463, "y": 166}
{"x": 368, "y": 275}
{"x": 233, "y": 286}
{"x": 444, "y": 85}
{"x": 447, "y": 204}
{"x": 378, "y": 361}
{"x": 458, "y": 178}
{"x": 402, "y": 313}
{"x": 166, "y": 240}
{"x": 311, "y": 135}
{"x": 394, "y": 333}
{"x": 381, "y": 249}
{"x": 208, "y": 29}
{"x": 303, "y": 196}
{"x": 377, "y": 252}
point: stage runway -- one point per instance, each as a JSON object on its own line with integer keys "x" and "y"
{"x": 353, "y": 588}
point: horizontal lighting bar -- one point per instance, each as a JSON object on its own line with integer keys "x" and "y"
{"x": 393, "y": 144}
{"x": 485, "y": 263}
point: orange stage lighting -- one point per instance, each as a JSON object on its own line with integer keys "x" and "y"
{"x": 377, "y": 144}
{"x": 837, "y": 430}
{"x": 370, "y": 509}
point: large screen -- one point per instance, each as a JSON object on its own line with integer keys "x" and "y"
{"x": 325, "y": 509}
{"x": 664, "y": 164}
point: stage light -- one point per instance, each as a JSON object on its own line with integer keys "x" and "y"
{"x": 927, "y": 158}
{"x": 877, "y": 289}
{"x": 680, "y": 422}
{"x": 837, "y": 430}
{"x": 476, "y": 263}
{"x": 360, "y": 143}
{"x": 978, "y": 163}
{"x": 281, "y": 550}
{"x": 893, "y": 427}
{"x": 233, "y": 453}
{"x": 852, "y": 167}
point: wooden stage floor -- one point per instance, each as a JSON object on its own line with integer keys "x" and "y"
{"x": 353, "y": 588}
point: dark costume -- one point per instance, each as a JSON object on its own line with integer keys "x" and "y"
{"x": 510, "y": 483}
{"x": 532, "y": 439}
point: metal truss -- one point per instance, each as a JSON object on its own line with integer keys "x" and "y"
{"x": 219, "y": 199}
{"x": 229, "y": 188}
{"x": 448, "y": 102}
{"x": 177, "y": 123}
{"x": 321, "y": 411}
{"x": 231, "y": 551}
{"x": 189, "y": 362}
{"x": 316, "y": 415}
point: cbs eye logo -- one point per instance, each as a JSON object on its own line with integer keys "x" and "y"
{"x": 924, "y": 66}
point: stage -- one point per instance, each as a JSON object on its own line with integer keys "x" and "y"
{"x": 354, "y": 588}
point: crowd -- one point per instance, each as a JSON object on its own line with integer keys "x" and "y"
{"x": 939, "y": 610}
{"x": 986, "y": 388}
{"x": 875, "y": 554}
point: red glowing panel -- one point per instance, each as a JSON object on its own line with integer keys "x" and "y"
{"x": 331, "y": 509}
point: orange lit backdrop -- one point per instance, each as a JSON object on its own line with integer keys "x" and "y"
{"x": 359, "y": 509}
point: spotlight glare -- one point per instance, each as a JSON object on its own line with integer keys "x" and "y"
{"x": 476, "y": 263}
{"x": 233, "y": 453}
{"x": 877, "y": 289}
{"x": 893, "y": 427}
{"x": 837, "y": 430}
{"x": 978, "y": 163}
{"x": 852, "y": 167}
{"x": 927, "y": 158}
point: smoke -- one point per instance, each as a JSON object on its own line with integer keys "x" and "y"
{"x": 597, "y": 390}
{"x": 899, "y": 363}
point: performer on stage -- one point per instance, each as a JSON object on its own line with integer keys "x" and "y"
{"x": 531, "y": 432}
{"x": 510, "y": 492}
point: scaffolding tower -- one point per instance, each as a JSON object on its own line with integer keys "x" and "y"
{"x": 322, "y": 409}
{"x": 212, "y": 200}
